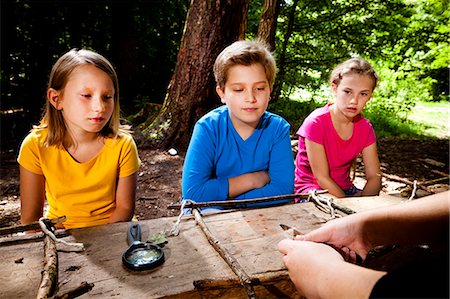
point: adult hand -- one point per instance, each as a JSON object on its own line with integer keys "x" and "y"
{"x": 308, "y": 264}
{"x": 319, "y": 271}
{"x": 344, "y": 234}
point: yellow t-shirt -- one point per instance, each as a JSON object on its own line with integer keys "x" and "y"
{"x": 83, "y": 192}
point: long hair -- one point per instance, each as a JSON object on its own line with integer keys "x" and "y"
{"x": 53, "y": 119}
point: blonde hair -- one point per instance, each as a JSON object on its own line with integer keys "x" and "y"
{"x": 246, "y": 53}
{"x": 53, "y": 119}
{"x": 353, "y": 66}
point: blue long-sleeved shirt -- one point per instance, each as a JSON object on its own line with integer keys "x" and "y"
{"x": 216, "y": 152}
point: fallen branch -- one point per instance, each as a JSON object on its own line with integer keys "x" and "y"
{"x": 24, "y": 227}
{"x": 244, "y": 279}
{"x": 83, "y": 288}
{"x": 242, "y": 202}
{"x": 408, "y": 182}
{"x": 49, "y": 279}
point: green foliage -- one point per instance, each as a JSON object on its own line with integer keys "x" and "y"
{"x": 410, "y": 36}
{"x": 294, "y": 111}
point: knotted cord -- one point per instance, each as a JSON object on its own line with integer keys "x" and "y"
{"x": 49, "y": 233}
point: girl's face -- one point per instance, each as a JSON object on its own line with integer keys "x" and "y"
{"x": 246, "y": 93}
{"x": 352, "y": 94}
{"x": 87, "y": 100}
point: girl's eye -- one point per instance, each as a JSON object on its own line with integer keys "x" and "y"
{"x": 237, "y": 90}
{"x": 261, "y": 88}
{"x": 85, "y": 95}
{"x": 108, "y": 97}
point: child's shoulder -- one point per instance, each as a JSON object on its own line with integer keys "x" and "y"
{"x": 214, "y": 116}
{"x": 273, "y": 118}
{"x": 37, "y": 135}
{"x": 319, "y": 112}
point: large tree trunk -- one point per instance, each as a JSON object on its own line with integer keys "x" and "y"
{"x": 210, "y": 27}
{"x": 268, "y": 24}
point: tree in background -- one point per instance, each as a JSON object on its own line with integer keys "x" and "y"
{"x": 210, "y": 27}
{"x": 268, "y": 23}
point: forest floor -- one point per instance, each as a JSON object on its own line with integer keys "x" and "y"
{"x": 159, "y": 181}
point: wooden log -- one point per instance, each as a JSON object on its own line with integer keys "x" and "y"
{"x": 237, "y": 203}
{"x": 24, "y": 227}
{"x": 406, "y": 181}
{"x": 229, "y": 259}
{"x": 49, "y": 279}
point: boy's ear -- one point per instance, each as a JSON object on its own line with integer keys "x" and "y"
{"x": 54, "y": 98}
{"x": 220, "y": 93}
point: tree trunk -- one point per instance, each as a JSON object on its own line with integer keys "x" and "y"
{"x": 268, "y": 24}
{"x": 282, "y": 59}
{"x": 210, "y": 27}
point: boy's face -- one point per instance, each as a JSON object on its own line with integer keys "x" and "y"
{"x": 246, "y": 93}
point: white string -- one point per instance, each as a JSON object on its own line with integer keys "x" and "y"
{"x": 53, "y": 237}
{"x": 413, "y": 193}
{"x": 317, "y": 199}
{"x": 175, "y": 231}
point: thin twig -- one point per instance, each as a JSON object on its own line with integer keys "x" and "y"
{"x": 17, "y": 239}
{"x": 406, "y": 181}
{"x": 241, "y": 202}
{"x": 24, "y": 227}
{"x": 434, "y": 181}
{"x": 229, "y": 259}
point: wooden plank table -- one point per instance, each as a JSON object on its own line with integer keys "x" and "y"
{"x": 251, "y": 236}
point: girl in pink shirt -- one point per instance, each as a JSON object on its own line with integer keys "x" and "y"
{"x": 331, "y": 137}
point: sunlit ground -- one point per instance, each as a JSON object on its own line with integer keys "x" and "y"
{"x": 434, "y": 118}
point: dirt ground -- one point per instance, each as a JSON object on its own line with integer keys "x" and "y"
{"x": 159, "y": 182}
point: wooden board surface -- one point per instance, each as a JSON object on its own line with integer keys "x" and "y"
{"x": 251, "y": 236}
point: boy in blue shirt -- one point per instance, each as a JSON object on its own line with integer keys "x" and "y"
{"x": 239, "y": 150}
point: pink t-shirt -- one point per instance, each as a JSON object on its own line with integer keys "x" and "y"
{"x": 319, "y": 128}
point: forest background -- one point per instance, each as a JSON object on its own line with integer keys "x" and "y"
{"x": 164, "y": 50}
{"x": 151, "y": 44}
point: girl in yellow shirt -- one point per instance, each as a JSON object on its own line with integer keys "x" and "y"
{"x": 80, "y": 159}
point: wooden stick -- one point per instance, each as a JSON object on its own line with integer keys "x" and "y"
{"x": 49, "y": 279}
{"x": 440, "y": 173}
{"x": 229, "y": 259}
{"x": 237, "y": 203}
{"x": 29, "y": 237}
{"x": 434, "y": 181}
{"x": 83, "y": 288}
{"x": 257, "y": 279}
{"x": 24, "y": 227}
{"x": 408, "y": 182}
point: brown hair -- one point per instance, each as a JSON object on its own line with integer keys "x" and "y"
{"x": 246, "y": 53}
{"x": 353, "y": 66}
{"x": 59, "y": 76}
